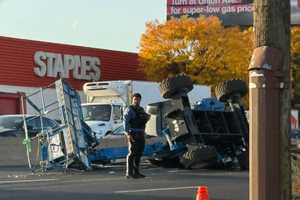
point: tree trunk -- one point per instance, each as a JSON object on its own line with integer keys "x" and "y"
{"x": 270, "y": 176}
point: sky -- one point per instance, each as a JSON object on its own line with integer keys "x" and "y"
{"x": 106, "y": 24}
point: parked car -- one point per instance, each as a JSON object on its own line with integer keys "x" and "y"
{"x": 12, "y": 136}
{"x": 13, "y": 125}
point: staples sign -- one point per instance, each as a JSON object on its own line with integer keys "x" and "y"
{"x": 55, "y": 64}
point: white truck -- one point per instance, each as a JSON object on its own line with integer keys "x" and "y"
{"x": 106, "y": 100}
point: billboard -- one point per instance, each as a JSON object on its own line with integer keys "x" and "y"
{"x": 231, "y": 12}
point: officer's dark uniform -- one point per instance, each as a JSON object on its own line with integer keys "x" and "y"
{"x": 135, "y": 119}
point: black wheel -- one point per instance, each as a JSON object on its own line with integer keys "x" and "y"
{"x": 153, "y": 108}
{"x": 229, "y": 88}
{"x": 176, "y": 86}
{"x": 198, "y": 155}
{"x": 166, "y": 162}
{"x": 176, "y": 114}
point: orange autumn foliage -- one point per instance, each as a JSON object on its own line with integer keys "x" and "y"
{"x": 295, "y": 66}
{"x": 211, "y": 52}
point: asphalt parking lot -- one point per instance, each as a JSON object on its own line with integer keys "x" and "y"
{"x": 109, "y": 183}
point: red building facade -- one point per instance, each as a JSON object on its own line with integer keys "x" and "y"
{"x": 36, "y": 64}
{"x": 26, "y": 65}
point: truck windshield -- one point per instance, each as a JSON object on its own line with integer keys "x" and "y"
{"x": 96, "y": 112}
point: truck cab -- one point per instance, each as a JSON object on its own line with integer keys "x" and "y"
{"x": 105, "y": 102}
{"x": 102, "y": 118}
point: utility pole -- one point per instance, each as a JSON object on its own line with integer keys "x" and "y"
{"x": 269, "y": 84}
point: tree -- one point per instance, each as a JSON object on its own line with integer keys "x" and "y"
{"x": 295, "y": 66}
{"x": 209, "y": 52}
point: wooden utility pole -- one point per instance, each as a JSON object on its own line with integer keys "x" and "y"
{"x": 269, "y": 83}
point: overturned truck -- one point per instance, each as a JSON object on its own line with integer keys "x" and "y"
{"x": 212, "y": 134}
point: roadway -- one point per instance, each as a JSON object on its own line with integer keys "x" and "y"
{"x": 109, "y": 183}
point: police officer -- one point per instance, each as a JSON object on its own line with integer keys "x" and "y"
{"x": 135, "y": 119}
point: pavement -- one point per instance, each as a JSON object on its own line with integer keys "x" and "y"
{"x": 18, "y": 182}
{"x": 109, "y": 183}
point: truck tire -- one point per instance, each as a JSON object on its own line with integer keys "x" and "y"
{"x": 175, "y": 114}
{"x": 200, "y": 155}
{"x": 152, "y": 108}
{"x": 228, "y": 88}
{"x": 175, "y": 87}
{"x": 166, "y": 163}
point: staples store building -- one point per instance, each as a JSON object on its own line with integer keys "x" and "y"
{"x": 26, "y": 66}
